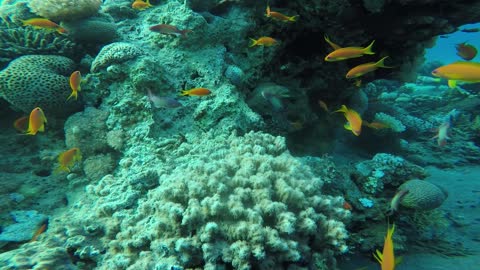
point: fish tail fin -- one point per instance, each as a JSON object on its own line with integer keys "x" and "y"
{"x": 253, "y": 42}
{"x": 378, "y": 256}
{"x": 368, "y": 49}
{"x": 293, "y": 18}
{"x": 184, "y": 93}
{"x": 184, "y": 33}
{"x": 267, "y": 11}
{"x": 342, "y": 109}
{"x": 74, "y": 95}
{"x": 381, "y": 63}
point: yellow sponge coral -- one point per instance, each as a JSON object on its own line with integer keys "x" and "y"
{"x": 65, "y": 10}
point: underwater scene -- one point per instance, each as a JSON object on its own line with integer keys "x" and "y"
{"x": 239, "y": 135}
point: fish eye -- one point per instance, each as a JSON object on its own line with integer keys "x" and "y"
{"x": 435, "y": 71}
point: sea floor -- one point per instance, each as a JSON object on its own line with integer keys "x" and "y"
{"x": 463, "y": 207}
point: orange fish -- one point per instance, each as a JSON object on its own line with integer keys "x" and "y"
{"x": 323, "y": 105}
{"x": 39, "y": 231}
{"x": 67, "y": 159}
{"x": 333, "y": 45}
{"x": 36, "y": 121}
{"x": 168, "y": 29}
{"x": 263, "y": 41}
{"x": 279, "y": 16}
{"x": 348, "y": 53}
{"x": 468, "y": 72}
{"x": 41, "y": 23}
{"x": 375, "y": 125}
{"x": 75, "y": 80}
{"x": 387, "y": 257}
{"x": 354, "y": 123}
{"x": 141, "y": 5}
{"x": 347, "y": 206}
{"x": 466, "y": 51}
{"x": 362, "y": 69}
{"x": 21, "y": 124}
{"x": 196, "y": 92}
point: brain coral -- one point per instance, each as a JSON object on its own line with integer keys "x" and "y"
{"x": 422, "y": 195}
{"x": 38, "y": 80}
{"x": 65, "y": 10}
{"x": 219, "y": 201}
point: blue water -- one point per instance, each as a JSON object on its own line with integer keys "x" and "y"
{"x": 444, "y": 49}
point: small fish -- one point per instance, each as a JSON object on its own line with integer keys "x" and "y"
{"x": 141, "y": 5}
{"x": 375, "y": 125}
{"x": 67, "y": 159}
{"x": 347, "y": 206}
{"x": 323, "y": 105}
{"x": 468, "y": 72}
{"x": 442, "y": 133}
{"x": 168, "y": 29}
{"x": 362, "y": 69}
{"x": 387, "y": 257}
{"x": 39, "y": 231}
{"x": 395, "y": 203}
{"x": 354, "y": 123}
{"x": 427, "y": 80}
{"x": 333, "y": 45}
{"x": 163, "y": 102}
{"x": 36, "y": 122}
{"x": 41, "y": 23}
{"x": 348, "y": 53}
{"x": 470, "y": 30}
{"x": 466, "y": 51}
{"x": 279, "y": 16}
{"x": 195, "y": 92}
{"x": 21, "y": 124}
{"x": 75, "y": 81}
{"x": 263, "y": 41}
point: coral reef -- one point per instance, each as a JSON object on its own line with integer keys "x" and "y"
{"x": 390, "y": 121}
{"x": 385, "y": 169}
{"x": 221, "y": 200}
{"x": 65, "y": 10}
{"x": 39, "y": 80}
{"x": 115, "y": 53}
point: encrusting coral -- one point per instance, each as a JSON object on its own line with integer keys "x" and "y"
{"x": 65, "y": 10}
{"x": 38, "y": 81}
{"x": 218, "y": 200}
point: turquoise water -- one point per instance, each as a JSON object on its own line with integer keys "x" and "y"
{"x": 218, "y": 135}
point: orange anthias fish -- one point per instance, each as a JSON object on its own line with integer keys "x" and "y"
{"x": 168, "y": 29}
{"x": 387, "y": 257}
{"x": 75, "y": 80}
{"x": 333, "y": 45}
{"x": 141, "y": 5}
{"x": 375, "y": 125}
{"x": 362, "y": 69}
{"x": 279, "y": 16}
{"x": 348, "y": 53}
{"x": 67, "y": 159}
{"x": 39, "y": 231}
{"x": 263, "y": 41}
{"x": 36, "y": 121}
{"x": 41, "y": 23}
{"x": 354, "y": 120}
{"x": 468, "y": 72}
{"x": 195, "y": 92}
{"x": 21, "y": 124}
{"x": 466, "y": 51}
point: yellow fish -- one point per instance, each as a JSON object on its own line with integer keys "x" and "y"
{"x": 141, "y": 5}
{"x": 468, "y": 72}
{"x": 75, "y": 80}
{"x": 348, "y": 52}
{"x": 387, "y": 257}
{"x": 36, "y": 121}
{"x": 263, "y": 41}
{"x": 67, "y": 159}
{"x": 354, "y": 123}
{"x": 362, "y": 69}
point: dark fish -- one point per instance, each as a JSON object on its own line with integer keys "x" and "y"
{"x": 470, "y": 30}
{"x": 168, "y": 29}
{"x": 466, "y": 51}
